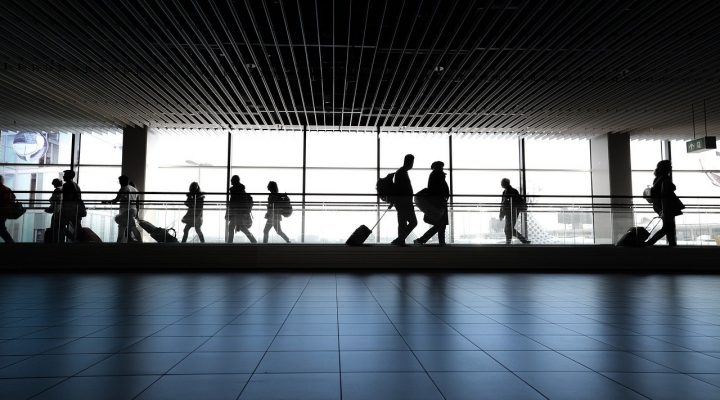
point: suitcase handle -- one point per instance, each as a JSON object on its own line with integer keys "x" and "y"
{"x": 381, "y": 217}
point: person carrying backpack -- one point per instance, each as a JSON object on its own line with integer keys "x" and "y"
{"x": 437, "y": 193}
{"x": 665, "y": 203}
{"x": 403, "y": 201}
{"x": 239, "y": 215}
{"x": 276, "y": 204}
{"x": 510, "y": 207}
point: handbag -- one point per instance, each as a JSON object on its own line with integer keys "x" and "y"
{"x": 16, "y": 211}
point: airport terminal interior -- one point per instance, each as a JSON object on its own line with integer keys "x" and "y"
{"x": 215, "y": 199}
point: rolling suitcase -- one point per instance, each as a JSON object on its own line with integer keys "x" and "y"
{"x": 363, "y": 232}
{"x": 86, "y": 235}
{"x": 636, "y": 236}
{"x": 161, "y": 235}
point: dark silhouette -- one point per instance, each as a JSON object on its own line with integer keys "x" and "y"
{"x": 73, "y": 208}
{"x": 512, "y": 204}
{"x": 128, "y": 199}
{"x": 55, "y": 234}
{"x": 194, "y": 216}
{"x": 437, "y": 195}
{"x": 239, "y": 215}
{"x": 665, "y": 202}
{"x": 274, "y": 213}
{"x": 403, "y": 201}
{"x": 7, "y": 200}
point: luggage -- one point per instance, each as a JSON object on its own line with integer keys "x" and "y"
{"x": 636, "y": 236}
{"x": 161, "y": 235}
{"x": 433, "y": 213}
{"x": 386, "y": 188}
{"x": 284, "y": 205}
{"x": 360, "y": 235}
{"x": 15, "y": 211}
{"x": 86, "y": 235}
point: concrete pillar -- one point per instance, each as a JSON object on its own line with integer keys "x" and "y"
{"x": 134, "y": 155}
{"x": 611, "y": 176}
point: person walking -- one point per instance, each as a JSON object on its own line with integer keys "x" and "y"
{"x": 239, "y": 210}
{"x": 438, "y": 194}
{"x": 194, "y": 216}
{"x": 128, "y": 199}
{"x": 7, "y": 200}
{"x": 55, "y": 234}
{"x": 403, "y": 201}
{"x": 73, "y": 208}
{"x": 273, "y": 214}
{"x": 665, "y": 203}
{"x": 512, "y": 204}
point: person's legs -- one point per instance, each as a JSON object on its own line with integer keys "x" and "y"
{"x": 669, "y": 226}
{"x": 247, "y": 233}
{"x": 427, "y": 235}
{"x": 266, "y": 230}
{"x": 515, "y": 232}
{"x": 186, "y": 231}
{"x": 406, "y": 221}
{"x": 136, "y": 234}
{"x": 441, "y": 233}
{"x": 230, "y": 236}
{"x": 199, "y": 233}
{"x": 279, "y": 231}
{"x": 508, "y": 229}
{"x": 122, "y": 234}
{"x": 4, "y": 234}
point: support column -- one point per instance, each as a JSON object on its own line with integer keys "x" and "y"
{"x": 611, "y": 176}
{"x": 134, "y": 155}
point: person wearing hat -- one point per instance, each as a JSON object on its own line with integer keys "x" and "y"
{"x": 665, "y": 202}
{"x": 439, "y": 193}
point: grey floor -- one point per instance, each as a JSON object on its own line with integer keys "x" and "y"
{"x": 351, "y": 336}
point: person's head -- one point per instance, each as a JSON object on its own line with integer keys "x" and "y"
{"x": 68, "y": 175}
{"x": 272, "y": 187}
{"x": 235, "y": 180}
{"x": 56, "y": 183}
{"x": 409, "y": 161}
{"x": 194, "y": 187}
{"x": 124, "y": 180}
{"x": 505, "y": 183}
{"x": 663, "y": 168}
{"x": 437, "y": 166}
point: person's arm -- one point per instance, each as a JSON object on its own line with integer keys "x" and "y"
{"x": 666, "y": 194}
{"x": 503, "y": 200}
{"x": 115, "y": 200}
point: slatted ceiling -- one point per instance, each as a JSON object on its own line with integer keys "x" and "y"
{"x": 490, "y": 67}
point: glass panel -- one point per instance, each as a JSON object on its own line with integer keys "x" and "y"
{"x": 482, "y": 152}
{"x": 557, "y": 154}
{"x": 271, "y": 148}
{"x": 98, "y": 179}
{"x": 645, "y": 154}
{"x": 342, "y": 149}
{"x": 31, "y": 147}
{"x": 101, "y": 148}
{"x": 558, "y": 183}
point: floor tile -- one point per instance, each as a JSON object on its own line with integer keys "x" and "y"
{"x": 99, "y": 387}
{"x": 535, "y": 361}
{"x": 663, "y": 386}
{"x": 373, "y": 343}
{"x": 166, "y": 344}
{"x": 135, "y": 364}
{"x": 614, "y": 361}
{"x": 685, "y": 362}
{"x": 25, "y": 388}
{"x": 713, "y": 379}
{"x": 292, "y": 387}
{"x": 505, "y": 342}
{"x": 20, "y": 347}
{"x": 449, "y": 361}
{"x": 483, "y": 386}
{"x": 367, "y": 329}
{"x": 388, "y": 385}
{"x": 578, "y": 386}
{"x": 93, "y": 345}
{"x": 218, "y": 363}
{"x": 299, "y": 361}
{"x": 438, "y": 342}
{"x": 49, "y": 366}
{"x": 378, "y": 361}
{"x": 575, "y": 342}
{"x": 304, "y": 343}
{"x": 237, "y": 343}
{"x": 191, "y": 387}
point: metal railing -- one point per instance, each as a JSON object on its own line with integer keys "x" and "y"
{"x": 332, "y": 217}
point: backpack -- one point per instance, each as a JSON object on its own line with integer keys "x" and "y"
{"x": 283, "y": 204}
{"x": 521, "y": 203}
{"x": 247, "y": 202}
{"x": 386, "y": 188}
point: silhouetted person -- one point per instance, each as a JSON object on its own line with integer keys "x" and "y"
{"x": 56, "y": 234}
{"x": 665, "y": 202}
{"x": 273, "y": 214}
{"x": 439, "y": 193}
{"x": 403, "y": 201}
{"x": 238, "y": 212}
{"x": 7, "y": 201}
{"x": 73, "y": 209}
{"x": 128, "y": 199}
{"x": 512, "y": 204}
{"x": 194, "y": 216}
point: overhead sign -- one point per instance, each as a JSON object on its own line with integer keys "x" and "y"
{"x": 702, "y": 144}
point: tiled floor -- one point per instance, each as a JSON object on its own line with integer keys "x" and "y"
{"x": 350, "y": 336}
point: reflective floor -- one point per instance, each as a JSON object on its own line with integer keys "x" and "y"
{"x": 349, "y": 336}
